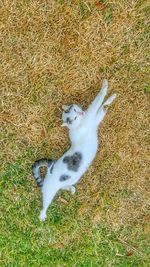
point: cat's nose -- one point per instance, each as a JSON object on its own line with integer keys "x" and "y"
{"x": 80, "y": 113}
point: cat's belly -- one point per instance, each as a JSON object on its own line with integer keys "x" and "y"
{"x": 88, "y": 154}
{"x": 74, "y": 163}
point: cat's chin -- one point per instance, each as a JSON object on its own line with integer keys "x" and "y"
{"x": 64, "y": 124}
{"x": 71, "y": 126}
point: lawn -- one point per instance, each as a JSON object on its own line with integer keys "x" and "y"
{"x": 54, "y": 53}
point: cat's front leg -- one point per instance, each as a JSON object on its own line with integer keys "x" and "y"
{"x": 103, "y": 109}
{"x": 97, "y": 102}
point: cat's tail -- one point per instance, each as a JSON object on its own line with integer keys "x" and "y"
{"x": 36, "y": 169}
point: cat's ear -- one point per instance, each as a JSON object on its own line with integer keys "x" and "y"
{"x": 65, "y": 107}
{"x": 64, "y": 124}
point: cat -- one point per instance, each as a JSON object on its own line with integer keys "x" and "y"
{"x": 65, "y": 172}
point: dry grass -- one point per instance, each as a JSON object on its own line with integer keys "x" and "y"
{"x": 56, "y": 52}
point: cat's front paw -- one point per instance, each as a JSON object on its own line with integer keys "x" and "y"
{"x": 105, "y": 83}
{"x": 104, "y": 87}
{"x": 109, "y": 100}
{"x": 42, "y": 216}
{"x": 113, "y": 97}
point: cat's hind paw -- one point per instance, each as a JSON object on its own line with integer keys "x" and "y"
{"x": 72, "y": 190}
{"x": 42, "y": 216}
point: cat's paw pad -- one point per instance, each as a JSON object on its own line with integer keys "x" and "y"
{"x": 42, "y": 216}
{"x": 72, "y": 190}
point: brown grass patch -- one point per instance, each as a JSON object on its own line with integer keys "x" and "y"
{"x": 52, "y": 54}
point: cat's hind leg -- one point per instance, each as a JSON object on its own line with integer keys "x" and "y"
{"x": 48, "y": 195}
{"x": 103, "y": 109}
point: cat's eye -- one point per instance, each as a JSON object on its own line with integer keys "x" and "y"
{"x": 75, "y": 110}
{"x": 68, "y": 120}
{"x": 75, "y": 118}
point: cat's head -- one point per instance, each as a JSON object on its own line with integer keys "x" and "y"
{"x": 72, "y": 116}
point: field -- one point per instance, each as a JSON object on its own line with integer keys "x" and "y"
{"x": 54, "y": 53}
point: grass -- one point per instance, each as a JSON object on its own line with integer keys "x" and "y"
{"x": 68, "y": 238}
{"x": 54, "y": 53}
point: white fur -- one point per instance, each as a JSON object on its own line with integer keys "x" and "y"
{"x": 84, "y": 139}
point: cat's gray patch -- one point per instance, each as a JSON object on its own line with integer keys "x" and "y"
{"x": 36, "y": 169}
{"x": 52, "y": 167}
{"x": 68, "y": 110}
{"x": 64, "y": 177}
{"x": 50, "y": 161}
{"x": 73, "y": 162}
{"x": 42, "y": 162}
{"x": 39, "y": 181}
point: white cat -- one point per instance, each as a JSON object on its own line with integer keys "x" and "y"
{"x": 65, "y": 172}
